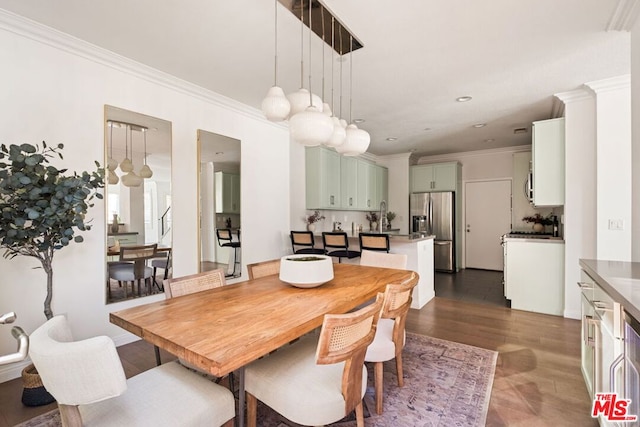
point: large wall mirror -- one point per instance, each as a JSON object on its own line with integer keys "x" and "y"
{"x": 219, "y": 181}
{"x": 139, "y": 241}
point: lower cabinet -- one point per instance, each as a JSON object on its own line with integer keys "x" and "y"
{"x": 534, "y": 275}
{"x": 602, "y": 345}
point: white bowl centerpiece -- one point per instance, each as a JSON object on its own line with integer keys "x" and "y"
{"x": 306, "y": 271}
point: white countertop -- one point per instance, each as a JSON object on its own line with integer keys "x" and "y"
{"x": 416, "y": 237}
{"x": 619, "y": 279}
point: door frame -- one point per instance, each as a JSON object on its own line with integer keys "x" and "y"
{"x": 463, "y": 261}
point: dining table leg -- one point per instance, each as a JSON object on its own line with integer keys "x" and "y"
{"x": 241, "y": 397}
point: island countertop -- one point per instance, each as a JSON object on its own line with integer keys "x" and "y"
{"x": 619, "y": 279}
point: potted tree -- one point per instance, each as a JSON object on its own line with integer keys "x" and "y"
{"x": 41, "y": 209}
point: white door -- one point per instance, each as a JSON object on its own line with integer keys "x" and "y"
{"x": 488, "y": 216}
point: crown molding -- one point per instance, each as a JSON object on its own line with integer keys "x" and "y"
{"x": 478, "y": 153}
{"x": 605, "y": 85}
{"x": 40, "y": 33}
{"x": 624, "y": 15}
{"x": 575, "y": 95}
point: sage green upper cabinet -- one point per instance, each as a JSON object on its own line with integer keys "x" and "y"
{"x": 435, "y": 177}
{"x": 227, "y": 192}
{"x": 547, "y": 164}
{"x": 364, "y": 185}
{"x": 343, "y": 183}
{"x": 382, "y": 184}
{"x": 322, "y": 178}
{"x": 349, "y": 181}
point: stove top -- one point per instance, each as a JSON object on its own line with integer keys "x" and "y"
{"x": 529, "y": 233}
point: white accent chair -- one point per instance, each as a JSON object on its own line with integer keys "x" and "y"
{"x": 390, "y": 334}
{"x": 87, "y": 380}
{"x": 315, "y": 385}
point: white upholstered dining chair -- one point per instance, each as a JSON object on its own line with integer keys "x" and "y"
{"x": 390, "y": 333}
{"x": 314, "y": 383}
{"x": 87, "y": 379}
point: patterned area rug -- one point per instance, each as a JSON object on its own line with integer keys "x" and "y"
{"x": 446, "y": 384}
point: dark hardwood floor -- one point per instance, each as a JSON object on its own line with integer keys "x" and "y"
{"x": 471, "y": 285}
{"x": 538, "y": 381}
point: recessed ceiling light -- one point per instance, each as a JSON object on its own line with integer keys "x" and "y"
{"x": 358, "y": 121}
{"x": 427, "y": 128}
{"x": 463, "y": 98}
{"x": 520, "y": 131}
{"x": 479, "y": 125}
{"x": 489, "y": 140}
{"x": 392, "y": 138}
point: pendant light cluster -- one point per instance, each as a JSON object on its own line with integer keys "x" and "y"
{"x": 129, "y": 177}
{"x": 312, "y": 122}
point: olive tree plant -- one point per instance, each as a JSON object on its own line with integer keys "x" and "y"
{"x": 41, "y": 207}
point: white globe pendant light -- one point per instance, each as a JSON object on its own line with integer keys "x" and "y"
{"x": 112, "y": 164}
{"x": 299, "y": 101}
{"x": 310, "y": 127}
{"x": 275, "y": 105}
{"x": 356, "y": 142}
{"x": 126, "y": 165}
{"x": 112, "y": 178}
{"x": 145, "y": 170}
{"x": 131, "y": 180}
{"x": 338, "y": 135}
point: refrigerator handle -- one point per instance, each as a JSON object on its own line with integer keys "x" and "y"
{"x": 430, "y": 216}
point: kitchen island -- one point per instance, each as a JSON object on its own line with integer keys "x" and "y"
{"x": 419, "y": 251}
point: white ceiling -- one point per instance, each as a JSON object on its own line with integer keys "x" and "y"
{"x": 418, "y": 57}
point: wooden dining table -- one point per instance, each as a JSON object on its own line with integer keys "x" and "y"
{"x": 223, "y": 329}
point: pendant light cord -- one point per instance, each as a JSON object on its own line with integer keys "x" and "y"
{"x": 275, "y": 45}
{"x": 144, "y": 132}
{"x": 301, "y": 44}
{"x": 310, "y": 32}
{"x": 341, "y": 73}
{"x": 323, "y": 44}
{"x": 333, "y": 28}
{"x": 350, "y": 77}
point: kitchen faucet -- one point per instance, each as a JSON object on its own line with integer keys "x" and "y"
{"x": 383, "y": 216}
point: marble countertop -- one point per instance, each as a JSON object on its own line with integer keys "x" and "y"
{"x": 619, "y": 279}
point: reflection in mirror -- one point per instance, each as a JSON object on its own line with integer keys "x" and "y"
{"x": 219, "y": 181}
{"x": 138, "y": 151}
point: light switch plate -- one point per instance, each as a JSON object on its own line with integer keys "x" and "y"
{"x": 616, "y": 224}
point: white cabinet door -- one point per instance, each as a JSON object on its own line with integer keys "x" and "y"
{"x": 548, "y": 162}
{"x": 535, "y": 275}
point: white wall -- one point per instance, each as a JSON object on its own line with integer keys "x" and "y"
{"x": 613, "y": 166}
{"x": 580, "y": 191}
{"x": 398, "y": 167}
{"x": 55, "y": 89}
{"x": 635, "y": 132}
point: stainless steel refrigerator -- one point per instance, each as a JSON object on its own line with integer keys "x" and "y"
{"x": 434, "y": 214}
